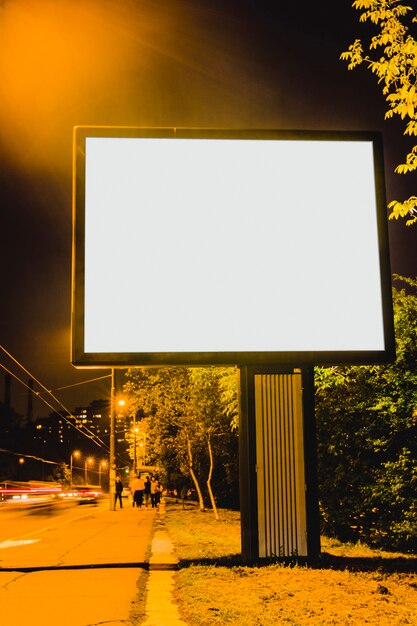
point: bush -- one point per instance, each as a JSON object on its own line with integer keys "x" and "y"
{"x": 367, "y": 442}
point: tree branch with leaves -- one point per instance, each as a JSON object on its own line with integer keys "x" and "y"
{"x": 392, "y": 57}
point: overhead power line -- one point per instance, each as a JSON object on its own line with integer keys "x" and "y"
{"x": 83, "y": 429}
{"x": 30, "y": 456}
{"x": 84, "y": 382}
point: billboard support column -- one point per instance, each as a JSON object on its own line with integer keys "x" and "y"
{"x": 310, "y": 461}
{"x": 278, "y": 467}
{"x": 247, "y": 468}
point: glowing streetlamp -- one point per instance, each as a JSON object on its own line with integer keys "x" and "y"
{"x": 135, "y": 432}
{"x": 74, "y": 455}
{"x": 20, "y": 467}
{"x": 142, "y": 445}
{"x": 87, "y": 462}
{"x": 102, "y": 464}
{"x": 115, "y": 404}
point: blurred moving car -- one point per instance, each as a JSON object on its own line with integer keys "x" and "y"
{"x": 87, "y": 494}
{"x": 31, "y": 494}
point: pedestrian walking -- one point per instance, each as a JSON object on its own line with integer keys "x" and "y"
{"x": 158, "y": 494}
{"x": 118, "y": 492}
{"x": 154, "y": 490}
{"x": 137, "y": 487}
{"x": 147, "y": 492}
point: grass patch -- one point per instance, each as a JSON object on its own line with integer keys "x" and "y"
{"x": 198, "y": 536}
{"x": 351, "y": 584}
{"x": 359, "y": 549}
{"x": 138, "y": 609}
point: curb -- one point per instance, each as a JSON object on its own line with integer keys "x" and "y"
{"x": 161, "y": 608}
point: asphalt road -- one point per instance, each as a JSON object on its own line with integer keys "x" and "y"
{"x": 75, "y": 566}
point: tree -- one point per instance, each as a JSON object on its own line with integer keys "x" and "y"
{"x": 160, "y": 395}
{"x": 367, "y": 440}
{"x": 229, "y": 387}
{"x": 396, "y": 71}
{"x": 189, "y": 427}
{"x": 209, "y": 413}
{"x": 61, "y": 474}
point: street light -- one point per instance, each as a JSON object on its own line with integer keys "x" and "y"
{"x": 21, "y": 464}
{"x": 143, "y": 451}
{"x": 87, "y": 461}
{"x": 135, "y": 465}
{"x": 75, "y": 455}
{"x": 102, "y": 464}
{"x": 112, "y": 464}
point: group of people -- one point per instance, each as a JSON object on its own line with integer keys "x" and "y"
{"x": 145, "y": 492}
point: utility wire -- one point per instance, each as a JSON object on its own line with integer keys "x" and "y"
{"x": 81, "y": 429}
{"x": 84, "y": 382}
{"x": 30, "y": 456}
{"x": 92, "y": 436}
{"x": 14, "y": 376}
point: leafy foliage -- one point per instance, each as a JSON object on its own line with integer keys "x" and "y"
{"x": 189, "y": 413}
{"x": 396, "y": 71}
{"x": 367, "y": 441}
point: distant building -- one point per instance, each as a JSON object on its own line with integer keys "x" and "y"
{"x": 95, "y": 417}
{"x": 63, "y": 431}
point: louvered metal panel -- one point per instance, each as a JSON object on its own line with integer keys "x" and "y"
{"x": 282, "y": 528}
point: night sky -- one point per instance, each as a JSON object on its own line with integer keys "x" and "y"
{"x": 201, "y": 63}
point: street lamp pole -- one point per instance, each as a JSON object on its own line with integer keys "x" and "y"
{"x": 135, "y": 434}
{"x": 75, "y": 454}
{"x": 85, "y": 469}
{"x": 112, "y": 464}
{"x": 102, "y": 464}
{"x": 143, "y": 451}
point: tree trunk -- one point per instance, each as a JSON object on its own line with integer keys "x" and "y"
{"x": 213, "y": 502}
{"x": 194, "y": 477}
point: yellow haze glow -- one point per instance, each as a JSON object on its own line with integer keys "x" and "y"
{"x": 58, "y": 62}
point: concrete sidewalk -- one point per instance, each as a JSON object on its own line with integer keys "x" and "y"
{"x": 92, "y": 581}
{"x": 161, "y": 609}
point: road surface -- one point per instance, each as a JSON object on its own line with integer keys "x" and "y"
{"x": 73, "y": 566}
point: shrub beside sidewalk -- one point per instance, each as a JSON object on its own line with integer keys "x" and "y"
{"x": 351, "y": 585}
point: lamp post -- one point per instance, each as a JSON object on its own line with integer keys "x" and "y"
{"x": 112, "y": 463}
{"x": 87, "y": 461}
{"x": 21, "y": 464}
{"x": 143, "y": 451}
{"x": 102, "y": 464}
{"x": 135, "y": 465}
{"x": 75, "y": 455}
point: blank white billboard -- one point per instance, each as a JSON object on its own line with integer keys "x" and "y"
{"x": 208, "y": 247}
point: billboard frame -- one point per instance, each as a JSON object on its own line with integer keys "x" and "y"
{"x": 81, "y": 358}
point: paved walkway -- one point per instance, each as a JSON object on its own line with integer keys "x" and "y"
{"x": 95, "y": 582}
{"x": 161, "y": 609}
